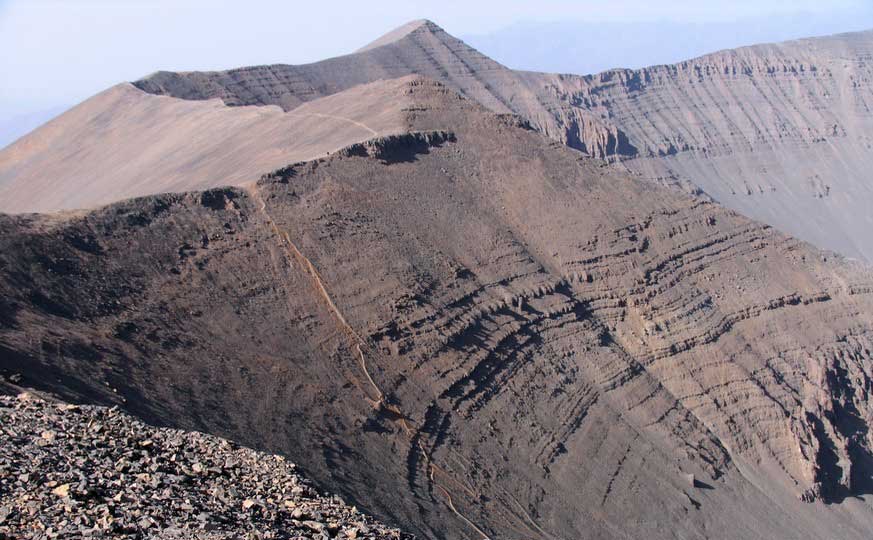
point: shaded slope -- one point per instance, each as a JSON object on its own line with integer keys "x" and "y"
{"x": 124, "y": 143}
{"x": 467, "y": 330}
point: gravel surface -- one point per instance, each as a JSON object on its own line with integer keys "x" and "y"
{"x": 69, "y": 471}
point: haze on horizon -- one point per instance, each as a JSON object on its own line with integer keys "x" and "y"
{"x": 66, "y": 51}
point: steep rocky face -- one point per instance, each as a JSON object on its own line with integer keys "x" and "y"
{"x": 471, "y": 332}
{"x": 777, "y": 132}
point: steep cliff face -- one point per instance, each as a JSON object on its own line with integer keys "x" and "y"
{"x": 721, "y": 92}
{"x": 778, "y": 132}
{"x": 469, "y": 331}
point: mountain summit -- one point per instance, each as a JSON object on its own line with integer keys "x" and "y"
{"x": 420, "y": 26}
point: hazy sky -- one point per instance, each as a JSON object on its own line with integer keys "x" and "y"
{"x": 58, "y": 52}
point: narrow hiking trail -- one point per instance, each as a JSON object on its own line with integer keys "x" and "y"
{"x": 380, "y": 402}
{"x": 340, "y": 118}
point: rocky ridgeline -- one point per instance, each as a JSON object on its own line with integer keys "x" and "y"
{"x": 69, "y": 471}
{"x": 399, "y": 147}
{"x": 776, "y": 132}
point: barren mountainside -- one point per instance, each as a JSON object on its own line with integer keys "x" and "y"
{"x": 777, "y": 132}
{"x": 124, "y": 143}
{"x": 780, "y": 133}
{"x": 468, "y": 330}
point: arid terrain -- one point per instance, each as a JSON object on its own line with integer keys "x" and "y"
{"x": 468, "y": 330}
{"x": 780, "y": 133}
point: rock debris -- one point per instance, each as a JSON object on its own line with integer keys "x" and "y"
{"x": 69, "y": 471}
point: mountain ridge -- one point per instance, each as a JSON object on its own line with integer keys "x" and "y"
{"x": 469, "y": 330}
{"x": 775, "y": 131}
{"x": 841, "y": 36}
{"x": 160, "y": 144}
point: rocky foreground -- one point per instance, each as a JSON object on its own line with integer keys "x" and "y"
{"x": 69, "y": 471}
